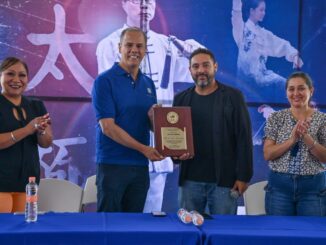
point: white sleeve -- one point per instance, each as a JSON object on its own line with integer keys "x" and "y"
{"x": 278, "y": 47}
{"x": 190, "y": 45}
{"x": 106, "y": 54}
{"x": 185, "y": 47}
{"x": 237, "y": 21}
{"x": 180, "y": 60}
{"x": 180, "y": 70}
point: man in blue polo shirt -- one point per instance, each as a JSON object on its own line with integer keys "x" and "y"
{"x": 123, "y": 99}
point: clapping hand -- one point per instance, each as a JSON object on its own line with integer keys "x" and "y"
{"x": 300, "y": 129}
{"x": 39, "y": 124}
{"x": 303, "y": 127}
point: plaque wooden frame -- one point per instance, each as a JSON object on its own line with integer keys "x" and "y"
{"x": 173, "y": 127}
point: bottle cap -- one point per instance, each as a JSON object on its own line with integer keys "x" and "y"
{"x": 31, "y": 179}
{"x": 184, "y": 216}
{"x": 197, "y": 218}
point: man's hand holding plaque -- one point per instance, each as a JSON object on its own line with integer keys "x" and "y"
{"x": 173, "y": 131}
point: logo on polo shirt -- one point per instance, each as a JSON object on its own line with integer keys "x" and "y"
{"x": 149, "y": 91}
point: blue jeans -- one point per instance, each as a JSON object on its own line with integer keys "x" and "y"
{"x": 200, "y": 195}
{"x": 121, "y": 188}
{"x": 290, "y": 194}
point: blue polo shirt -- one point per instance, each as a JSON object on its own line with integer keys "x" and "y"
{"x": 116, "y": 95}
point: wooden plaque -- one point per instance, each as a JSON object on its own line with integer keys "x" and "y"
{"x": 173, "y": 131}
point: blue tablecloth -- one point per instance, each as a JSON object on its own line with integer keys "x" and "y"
{"x": 131, "y": 228}
{"x": 97, "y": 229}
{"x": 276, "y": 230}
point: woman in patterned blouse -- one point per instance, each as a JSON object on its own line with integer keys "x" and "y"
{"x": 295, "y": 146}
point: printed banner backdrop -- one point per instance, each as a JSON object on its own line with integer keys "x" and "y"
{"x": 58, "y": 39}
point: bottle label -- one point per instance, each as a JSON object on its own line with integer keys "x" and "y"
{"x": 31, "y": 198}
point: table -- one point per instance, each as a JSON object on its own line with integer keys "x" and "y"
{"x": 97, "y": 229}
{"x": 276, "y": 230}
{"x": 132, "y": 228}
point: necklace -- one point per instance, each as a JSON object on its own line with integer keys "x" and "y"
{"x": 302, "y": 114}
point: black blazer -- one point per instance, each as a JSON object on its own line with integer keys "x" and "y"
{"x": 232, "y": 137}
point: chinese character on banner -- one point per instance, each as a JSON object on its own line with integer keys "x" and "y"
{"x": 61, "y": 166}
{"x": 59, "y": 44}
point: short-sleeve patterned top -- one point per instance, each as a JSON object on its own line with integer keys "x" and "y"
{"x": 279, "y": 127}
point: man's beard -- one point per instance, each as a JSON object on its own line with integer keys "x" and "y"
{"x": 202, "y": 83}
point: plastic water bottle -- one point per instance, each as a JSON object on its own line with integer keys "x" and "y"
{"x": 184, "y": 216}
{"x": 31, "y": 200}
{"x": 197, "y": 218}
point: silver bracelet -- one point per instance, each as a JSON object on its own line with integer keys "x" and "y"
{"x": 312, "y": 145}
{"x": 13, "y": 138}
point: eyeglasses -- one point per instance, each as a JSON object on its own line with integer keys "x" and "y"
{"x": 139, "y": 1}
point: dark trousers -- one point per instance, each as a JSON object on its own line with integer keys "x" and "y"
{"x": 121, "y": 188}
